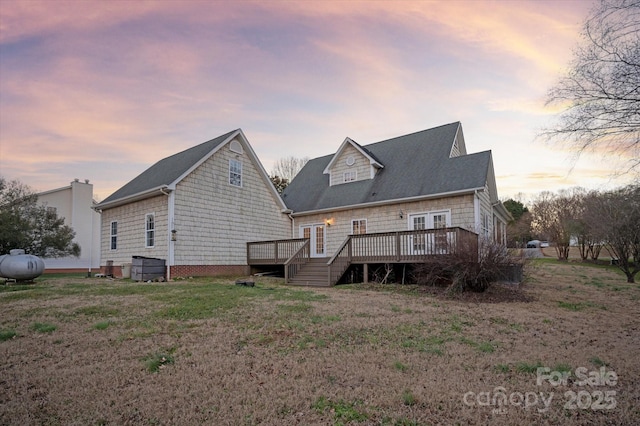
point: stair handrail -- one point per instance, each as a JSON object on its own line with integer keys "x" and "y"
{"x": 339, "y": 262}
{"x": 300, "y": 257}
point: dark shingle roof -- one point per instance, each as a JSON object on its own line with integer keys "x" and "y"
{"x": 166, "y": 171}
{"x": 415, "y": 165}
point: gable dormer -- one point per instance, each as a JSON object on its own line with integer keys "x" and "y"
{"x": 351, "y": 163}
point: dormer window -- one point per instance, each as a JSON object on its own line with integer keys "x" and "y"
{"x": 351, "y": 163}
{"x": 350, "y": 176}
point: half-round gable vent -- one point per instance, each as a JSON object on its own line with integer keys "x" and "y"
{"x": 236, "y": 147}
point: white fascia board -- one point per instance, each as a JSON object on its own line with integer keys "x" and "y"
{"x": 132, "y": 198}
{"x": 389, "y": 202}
{"x": 502, "y": 211}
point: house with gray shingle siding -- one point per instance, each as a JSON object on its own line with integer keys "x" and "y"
{"x": 423, "y": 180}
{"x": 196, "y": 210}
{"x": 212, "y": 209}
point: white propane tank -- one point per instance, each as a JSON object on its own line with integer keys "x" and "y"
{"x": 20, "y": 266}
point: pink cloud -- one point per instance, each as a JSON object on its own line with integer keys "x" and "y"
{"x": 148, "y": 79}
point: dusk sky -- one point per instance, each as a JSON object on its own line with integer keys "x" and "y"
{"x": 101, "y": 90}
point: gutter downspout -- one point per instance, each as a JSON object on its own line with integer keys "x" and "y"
{"x": 99, "y": 211}
{"x": 170, "y": 224}
{"x": 293, "y": 225}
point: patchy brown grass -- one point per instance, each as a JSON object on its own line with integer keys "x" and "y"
{"x": 391, "y": 355}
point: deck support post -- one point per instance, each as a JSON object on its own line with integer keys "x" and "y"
{"x": 365, "y": 273}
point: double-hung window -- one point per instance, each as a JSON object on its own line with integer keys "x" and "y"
{"x": 235, "y": 173}
{"x": 150, "y": 230}
{"x": 114, "y": 235}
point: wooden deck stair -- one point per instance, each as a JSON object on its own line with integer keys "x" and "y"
{"x": 313, "y": 273}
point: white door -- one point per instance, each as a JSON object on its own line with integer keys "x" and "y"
{"x": 429, "y": 243}
{"x": 418, "y": 242}
{"x": 317, "y": 238}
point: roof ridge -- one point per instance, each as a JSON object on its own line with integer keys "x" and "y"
{"x": 413, "y": 133}
{"x": 223, "y": 136}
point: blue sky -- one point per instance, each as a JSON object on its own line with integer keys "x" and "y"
{"x": 101, "y": 90}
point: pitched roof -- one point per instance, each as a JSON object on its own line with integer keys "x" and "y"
{"x": 166, "y": 171}
{"x": 415, "y": 165}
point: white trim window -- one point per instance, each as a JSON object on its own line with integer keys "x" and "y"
{"x": 150, "y": 230}
{"x": 358, "y": 226}
{"x": 235, "y": 173}
{"x": 113, "y": 233}
{"x": 350, "y": 176}
{"x": 485, "y": 225}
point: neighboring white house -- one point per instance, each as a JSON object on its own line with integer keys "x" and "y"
{"x": 75, "y": 204}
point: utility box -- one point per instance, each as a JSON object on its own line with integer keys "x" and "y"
{"x": 147, "y": 268}
{"x": 126, "y": 270}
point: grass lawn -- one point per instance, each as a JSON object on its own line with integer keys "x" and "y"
{"x": 204, "y": 351}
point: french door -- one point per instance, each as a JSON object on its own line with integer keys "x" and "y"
{"x": 317, "y": 239}
{"x": 429, "y": 243}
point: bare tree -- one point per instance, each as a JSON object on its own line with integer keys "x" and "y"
{"x": 554, "y": 216}
{"x": 589, "y": 229}
{"x": 602, "y": 87}
{"x": 287, "y": 168}
{"x": 279, "y": 183}
{"x": 618, "y": 214}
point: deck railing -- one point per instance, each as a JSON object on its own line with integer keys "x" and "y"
{"x": 340, "y": 261}
{"x": 293, "y": 265}
{"x": 385, "y": 247}
{"x": 399, "y": 247}
{"x": 275, "y": 252}
{"x": 410, "y": 246}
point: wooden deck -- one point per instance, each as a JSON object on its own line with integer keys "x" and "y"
{"x": 386, "y": 247}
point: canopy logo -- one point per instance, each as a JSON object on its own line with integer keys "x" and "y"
{"x": 586, "y": 398}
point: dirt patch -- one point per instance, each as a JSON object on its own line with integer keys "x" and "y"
{"x": 347, "y": 355}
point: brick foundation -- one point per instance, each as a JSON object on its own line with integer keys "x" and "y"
{"x": 116, "y": 270}
{"x": 192, "y": 270}
{"x": 208, "y": 270}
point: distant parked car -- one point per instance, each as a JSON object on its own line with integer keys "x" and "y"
{"x": 533, "y": 244}
{"x": 544, "y": 244}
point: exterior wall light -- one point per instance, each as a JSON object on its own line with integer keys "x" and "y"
{"x": 329, "y": 222}
{"x": 173, "y": 234}
{"x": 401, "y": 214}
